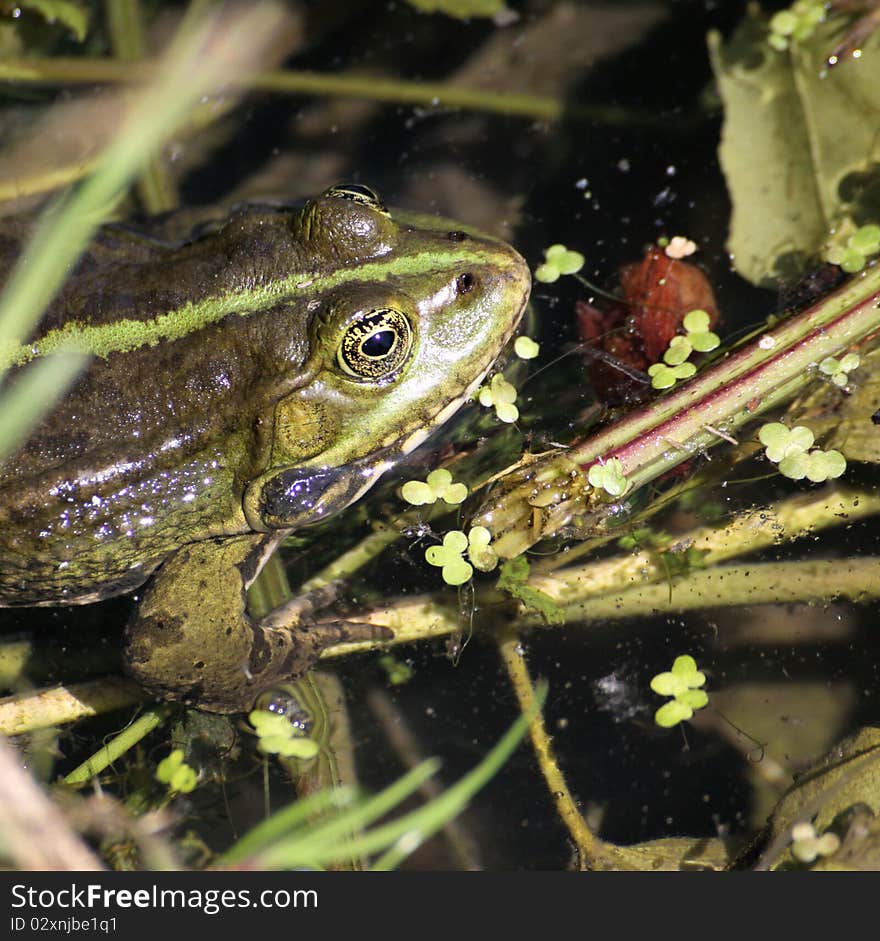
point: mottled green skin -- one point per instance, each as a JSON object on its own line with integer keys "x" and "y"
{"x": 214, "y": 392}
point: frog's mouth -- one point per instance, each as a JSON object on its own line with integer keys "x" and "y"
{"x": 301, "y": 496}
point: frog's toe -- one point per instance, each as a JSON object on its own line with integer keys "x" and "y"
{"x": 324, "y": 634}
{"x": 300, "y": 609}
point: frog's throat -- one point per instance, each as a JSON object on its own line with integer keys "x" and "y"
{"x": 301, "y": 496}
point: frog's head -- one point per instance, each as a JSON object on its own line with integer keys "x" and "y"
{"x": 407, "y": 315}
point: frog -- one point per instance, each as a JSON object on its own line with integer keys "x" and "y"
{"x": 242, "y": 383}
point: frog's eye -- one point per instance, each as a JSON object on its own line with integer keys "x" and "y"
{"x": 376, "y": 344}
{"x": 357, "y": 193}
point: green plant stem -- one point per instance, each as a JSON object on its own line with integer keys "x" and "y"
{"x": 724, "y": 586}
{"x": 59, "y": 705}
{"x": 14, "y": 656}
{"x": 126, "y": 29}
{"x": 425, "y": 618}
{"x": 746, "y": 533}
{"x": 648, "y": 442}
{"x": 118, "y": 745}
{"x": 155, "y": 185}
{"x": 349, "y": 562}
{"x": 70, "y": 71}
{"x": 591, "y": 849}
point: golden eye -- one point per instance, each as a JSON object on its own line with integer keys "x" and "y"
{"x": 376, "y": 344}
{"x": 357, "y": 193}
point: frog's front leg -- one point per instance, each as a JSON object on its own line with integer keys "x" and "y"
{"x": 192, "y": 639}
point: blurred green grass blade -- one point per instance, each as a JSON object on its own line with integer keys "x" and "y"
{"x": 283, "y": 823}
{"x": 336, "y": 830}
{"x": 331, "y": 842}
{"x": 200, "y": 59}
{"x": 32, "y": 395}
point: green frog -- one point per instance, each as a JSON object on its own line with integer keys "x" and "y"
{"x": 250, "y": 380}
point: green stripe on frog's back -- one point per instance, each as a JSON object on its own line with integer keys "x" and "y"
{"x": 126, "y": 334}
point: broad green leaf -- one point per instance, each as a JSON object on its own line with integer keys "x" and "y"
{"x": 799, "y": 147}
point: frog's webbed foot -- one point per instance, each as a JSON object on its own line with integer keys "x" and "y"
{"x": 302, "y": 642}
{"x": 192, "y": 639}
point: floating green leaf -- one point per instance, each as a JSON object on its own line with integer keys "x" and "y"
{"x": 838, "y": 370}
{"x": 672, "y": 713}
{"x": 176, "y": 773}
{"x": 796, "y": 24}
{"x": 781, "y": 442}
{"x": 817, "y": 466}
{"x": 526, "y": 348}
{"x": 807, "y": 845}
{"x": 437, "y": 486}
{"x": 683, "y": 683}
{"x": 701, "y": 338}
{"x": 608, "y": 476}
{"x": 480, "y": 551}
{"x": 846, "y": 423}
{"x": 679, "y": 349}
{"x": 397, "y": 671}
{"x": 279, "y": 736}
{"x": 449, "y": 558}
{"x": 665, "y": 377}
{"x": 558, "y": 260}
{"x": 501, "y": 395}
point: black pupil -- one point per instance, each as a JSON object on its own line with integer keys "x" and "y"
{"x": 352, "y": 190}
{"x": 379, "y": 344}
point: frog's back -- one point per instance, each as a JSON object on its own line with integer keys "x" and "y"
{"x": 155, "y": 437}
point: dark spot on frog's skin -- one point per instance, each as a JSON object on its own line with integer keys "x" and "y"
{"x": 260, "y": 654}
{"x": 875, "y": 418}
{"x": 250, "y": 565}
{"x": 465, "y": 283}
{"x": 456, "y": 236}
{"x": 140, "y": 648}
{"x": 192, "y": 695}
